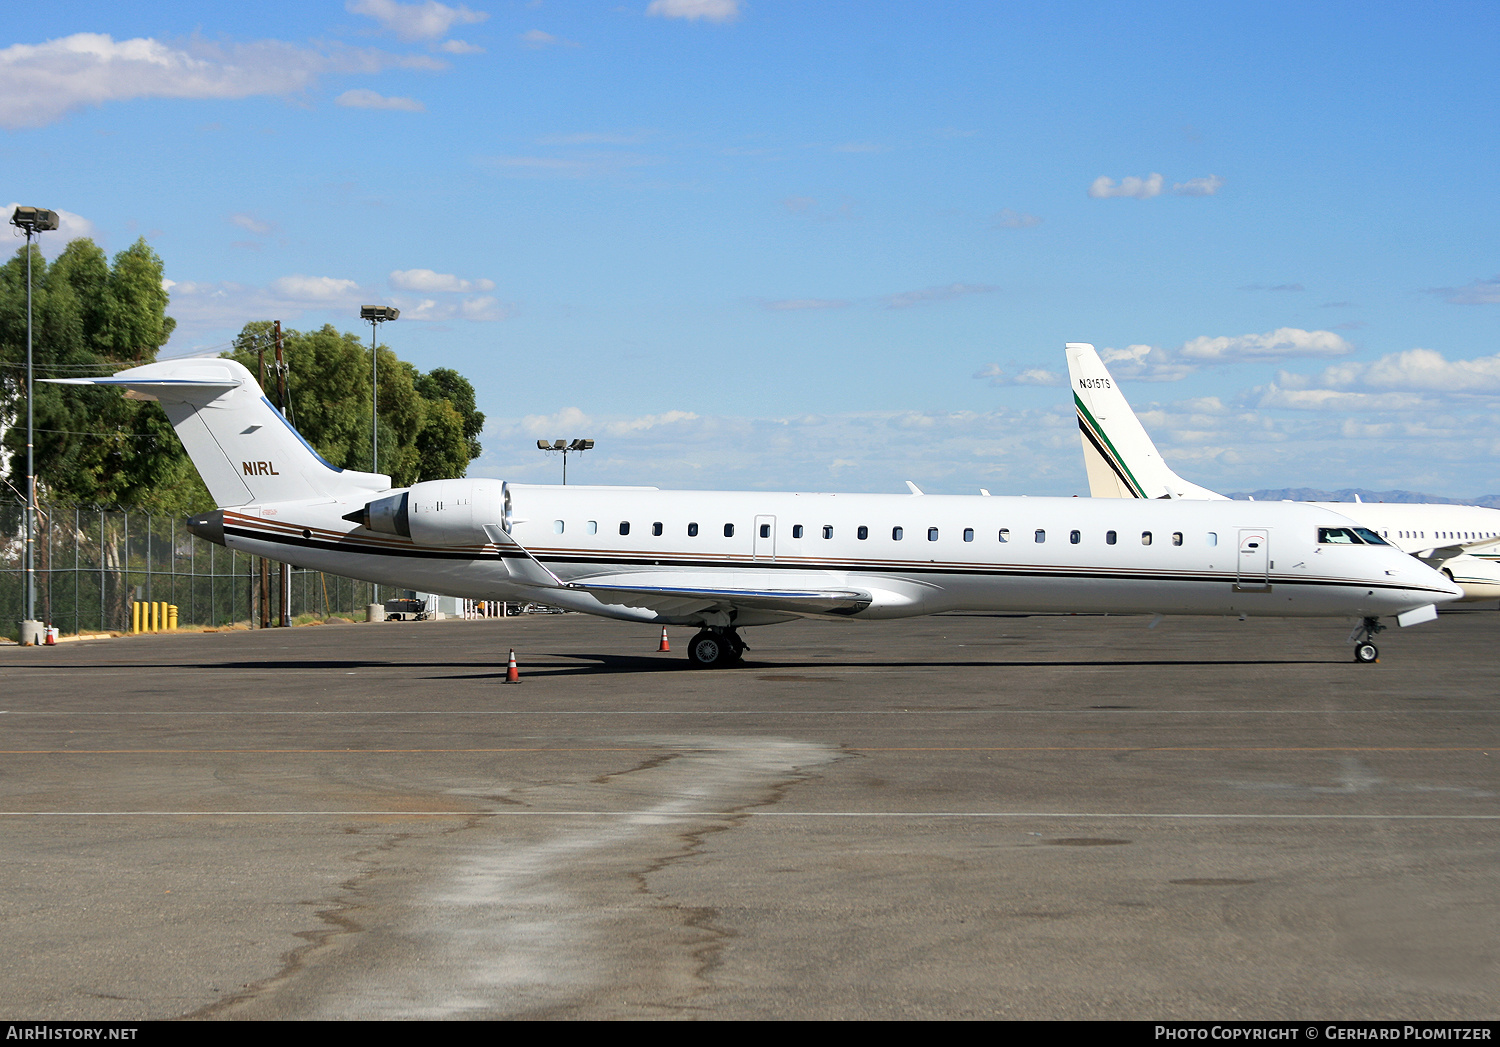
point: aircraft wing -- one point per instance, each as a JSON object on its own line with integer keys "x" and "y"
{"x": 688, "y": 599}
{"x": 1483, "y": 547}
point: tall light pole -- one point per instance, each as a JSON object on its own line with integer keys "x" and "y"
{"x": 565, "y": 448}
{"x": 377, "y": 315}
{"x": 32, "y": 220}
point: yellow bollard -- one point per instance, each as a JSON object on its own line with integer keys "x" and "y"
{"x": 171, "y": 617}
{"x": 135, "y": 616}
{"x": 156, "y": 616}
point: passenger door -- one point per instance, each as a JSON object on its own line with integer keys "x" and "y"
{"x": 1253, "y": 568}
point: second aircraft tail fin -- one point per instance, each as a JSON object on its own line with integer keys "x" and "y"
{"x": 1122, "y": 461}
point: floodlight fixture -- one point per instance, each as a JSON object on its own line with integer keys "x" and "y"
{"x": 34, "y": 220}
{"x": 565, "y": 448}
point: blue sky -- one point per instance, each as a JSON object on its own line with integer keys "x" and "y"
{"x": 747, "y": 243}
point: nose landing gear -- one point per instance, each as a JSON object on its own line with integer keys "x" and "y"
{"x": 1364, "y": 650}
{"x": 715, "y": 649}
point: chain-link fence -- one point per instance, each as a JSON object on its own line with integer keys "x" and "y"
{"x": 92, "y": 564}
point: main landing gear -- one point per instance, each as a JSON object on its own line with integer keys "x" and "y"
{"x": 715, "y": 649}
{"x": 1364, "y": 650}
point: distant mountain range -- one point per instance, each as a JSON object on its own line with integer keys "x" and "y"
{"x": 1313, "y": 494}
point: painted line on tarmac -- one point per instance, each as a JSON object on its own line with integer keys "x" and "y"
{"x": 852, "y": 748}
{"x": 680, "y": 815}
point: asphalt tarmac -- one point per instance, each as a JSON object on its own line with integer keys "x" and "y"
{"x": 953, "y": 817}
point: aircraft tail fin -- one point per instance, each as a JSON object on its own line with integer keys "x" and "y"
{"x": 1122, "y": 461}
{"x": 244, "y": 449}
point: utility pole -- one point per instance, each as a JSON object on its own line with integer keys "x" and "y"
{"x": 286, "y": 569}
{"x": 265, "y": 571}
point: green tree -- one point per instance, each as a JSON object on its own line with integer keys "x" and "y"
{"x": 423, "y": 434}
{"x": 91, "y": 317}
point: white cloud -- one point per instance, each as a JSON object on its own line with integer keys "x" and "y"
{"x": 694, "y": 10}
{"x": 301, "y": 288}
{"x": 792, "y": 304}
{"x": 426, "y": 281}
{"x": 1206, "y": 186}
{"x": 251, "y": 224}
{"x": 1008, "y": 219}
{"x": 460, "y": 47}
{"x": 1149, "y": 363}
{"x": 478, "y": 308}
{"x": 363, "y": 98}
{"x": 39, "y": 83}
{"x": 70, "y": 227}
{"x": 1014, "y": 451}
{"x": 1414, "y": 370}
{"x": 907, "y": 299}
{"x": 426, "y": 21}
{"x": 1480, "y": 292}
{"x": 1030, "y": 376}
{"x": 1277, "y": 344}
{"x": 1105, "y": 187}
{"x": 537, "y": 40}
{"x": 1342, "y": 402}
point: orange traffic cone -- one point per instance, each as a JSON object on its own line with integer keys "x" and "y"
{"x": 512, "y": 674}
{"x": 664, "y": 645}
{"x": 51, "y": 640}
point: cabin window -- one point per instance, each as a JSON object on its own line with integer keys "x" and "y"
{"x": 656, "y": 528}
{"x": 1145, "y": 537}
{"x": 932, "y": 533}
{"x": 796, "y": 530}
{"x": 729, "y": 530}
{"x": 692, "y": 530}
{"x": 1040, "y": 536}
{"x": 1176, "y": 537}
{"x": 592, "y": 527}
{"x": 897, "y": 534}
{"x": 1110, "y": 537}
{"x": 1213, "y": 538}
{"x": 624, "y": 526}
{"x": 765, "y": 530}
{"x": 828, "y": 530}
{"x": 1075, "y": 537}
{"x": 557, "y": 527}
{"x": 968, "y": 534}
{"x": 862, "y": 533}
{"x": 1005, "y": 534}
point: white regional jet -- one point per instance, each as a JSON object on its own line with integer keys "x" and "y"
{"x": 1462, "y": 541}
{"x": 724, "y": 560}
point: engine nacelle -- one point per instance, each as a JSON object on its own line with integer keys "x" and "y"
{"x": 446, "y": 513}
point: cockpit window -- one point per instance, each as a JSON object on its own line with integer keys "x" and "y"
{"x": 1370, "y": 536}
{"x": 1339, "y": 536}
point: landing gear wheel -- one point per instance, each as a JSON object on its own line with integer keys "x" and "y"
{"x": 707, "y": 650}
{"x": 1366, "y": 652}
{"x": 710, "y": 650}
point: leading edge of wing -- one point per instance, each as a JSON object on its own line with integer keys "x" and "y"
{"x": 800, "y": 602}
